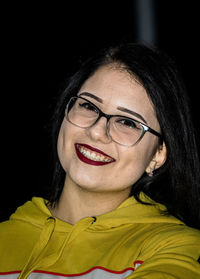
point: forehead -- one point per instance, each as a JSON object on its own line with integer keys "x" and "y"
{"x": 114, "y": 78}
{"x": 113, "y": 84}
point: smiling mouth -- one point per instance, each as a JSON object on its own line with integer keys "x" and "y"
{"x": 91, "y": 155}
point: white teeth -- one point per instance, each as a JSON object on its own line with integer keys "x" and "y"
{"x": 93, "y": 156}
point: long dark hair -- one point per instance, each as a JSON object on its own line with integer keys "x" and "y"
{"x": 176, "y": 183}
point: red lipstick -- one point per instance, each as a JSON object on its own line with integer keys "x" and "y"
{"x": 82, "y": 148}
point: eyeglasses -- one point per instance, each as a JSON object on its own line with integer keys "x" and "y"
{"x": 123, "y": 130}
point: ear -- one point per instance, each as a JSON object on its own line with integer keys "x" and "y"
{"x": 158, "y": 159}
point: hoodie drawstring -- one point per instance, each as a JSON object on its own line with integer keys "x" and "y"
{"x": 37, "y": 258}
{"x": 45, "y": 237}
{"x": 76, "y": 230}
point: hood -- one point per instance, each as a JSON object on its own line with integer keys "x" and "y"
{"x": 130, "y": 211}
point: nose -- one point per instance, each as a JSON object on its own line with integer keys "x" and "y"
{"x": 98, "y": 132}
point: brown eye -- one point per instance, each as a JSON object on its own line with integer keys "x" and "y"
{"x": 88, "y": 106}
{"x": 128, "y": 123}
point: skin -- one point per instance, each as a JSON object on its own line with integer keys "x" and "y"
{"x": 93, "y": 190}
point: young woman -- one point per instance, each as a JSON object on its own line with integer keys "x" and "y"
{"x": 125, "y": 197}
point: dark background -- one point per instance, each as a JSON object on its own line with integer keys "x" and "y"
{"x": 41, "y": 46}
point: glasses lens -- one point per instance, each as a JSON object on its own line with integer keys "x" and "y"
{"x": 81, "y": 112}
{"x": 125, "y": 131}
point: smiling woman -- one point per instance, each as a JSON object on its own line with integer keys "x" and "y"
{"x": 117, "y": 135}
{"x": 124, "y": 201}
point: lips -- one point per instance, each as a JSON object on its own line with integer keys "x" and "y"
{"x": 92, "y": 156}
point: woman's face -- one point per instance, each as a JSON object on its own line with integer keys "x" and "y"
{"x": 114, "y": 92}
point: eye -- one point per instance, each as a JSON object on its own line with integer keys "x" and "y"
{"x": 88, "y": 106}
{"x": 128, "y": 123}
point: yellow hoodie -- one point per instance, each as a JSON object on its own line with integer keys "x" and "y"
{"x": 133, "y": 241}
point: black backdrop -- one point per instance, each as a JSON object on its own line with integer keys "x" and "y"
{"x": 42, "y": 46}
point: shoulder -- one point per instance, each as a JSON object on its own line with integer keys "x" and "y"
{"x": 27, "y": 219}
{"x": 170, "y": 250}
{"x": 173, "y": 238}
{"x": 174, "y": 232}
{"x": 19, "y": 234}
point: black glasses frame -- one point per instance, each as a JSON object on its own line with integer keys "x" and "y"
{"x": 145, "y": 128}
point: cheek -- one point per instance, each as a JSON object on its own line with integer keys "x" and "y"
{"x": 133, "y": 162}
{"x": 63, "y": 145}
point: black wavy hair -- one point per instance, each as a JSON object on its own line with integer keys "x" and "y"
{"x": 176, "y": 183}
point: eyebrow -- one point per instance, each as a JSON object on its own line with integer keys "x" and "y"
{"x": 92, "y": 96}
{"x": 119, "y": 108}
{"x": 132, "y": 113}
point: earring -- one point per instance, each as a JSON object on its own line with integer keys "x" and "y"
{"x": 152, "y": 169}
{"x": 151, "y": 172}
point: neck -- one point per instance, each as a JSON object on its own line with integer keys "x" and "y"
{"x": 76, "y": 203}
